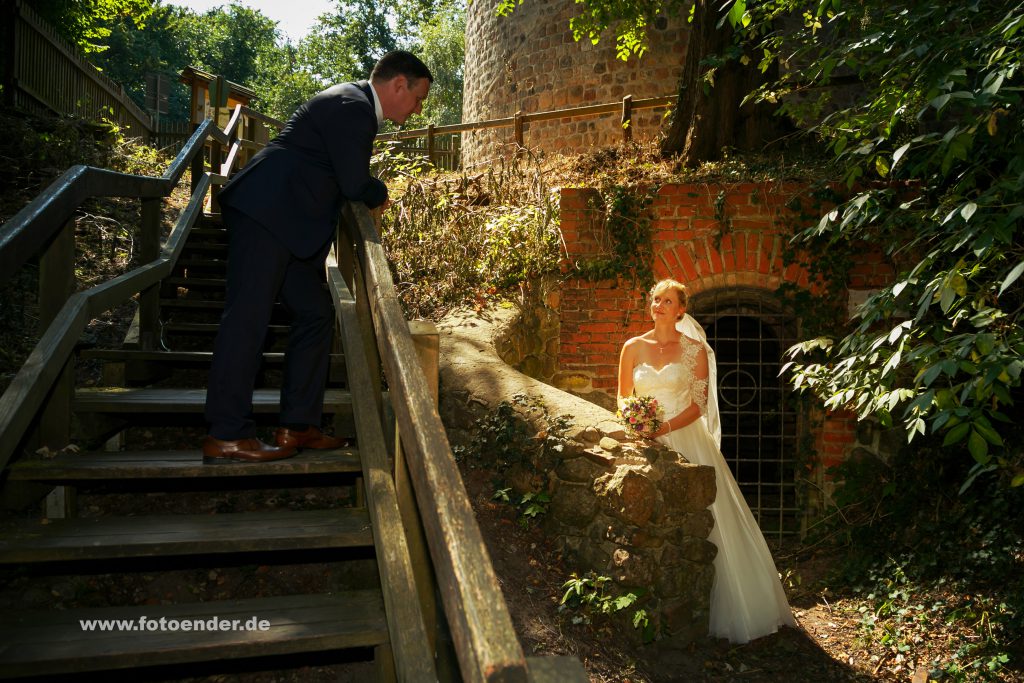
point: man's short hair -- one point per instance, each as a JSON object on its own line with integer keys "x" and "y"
{"x": 400, "y": 63}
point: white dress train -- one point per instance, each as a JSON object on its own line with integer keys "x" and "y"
{"x": 747, "y": 599}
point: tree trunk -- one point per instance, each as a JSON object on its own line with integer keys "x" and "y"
{"x": 708, "y": 117}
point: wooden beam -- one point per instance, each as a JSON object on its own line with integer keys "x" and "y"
{"x": 414, "y": 659}
{"x": 481, "y": 626}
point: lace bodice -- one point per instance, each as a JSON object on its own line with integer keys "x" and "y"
{"x": 674, "y": 385}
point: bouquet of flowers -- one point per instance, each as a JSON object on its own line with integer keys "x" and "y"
{"x": 641, "y": 414}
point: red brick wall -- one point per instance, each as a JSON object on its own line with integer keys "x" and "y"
{"x": 708, "y": 236}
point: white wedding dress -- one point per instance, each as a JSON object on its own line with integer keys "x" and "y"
{"x": 747, "y": 599}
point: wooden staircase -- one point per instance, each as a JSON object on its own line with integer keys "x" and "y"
{"x": 42, "y": 644}
{"x": 429, "y": 608}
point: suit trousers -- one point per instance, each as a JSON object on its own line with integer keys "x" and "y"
{"x": 261, "y": 270}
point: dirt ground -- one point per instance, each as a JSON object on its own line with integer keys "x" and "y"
{"x": 531, "y": 573}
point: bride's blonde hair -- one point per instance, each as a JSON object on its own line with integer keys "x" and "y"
{"x": 669, "y": 283}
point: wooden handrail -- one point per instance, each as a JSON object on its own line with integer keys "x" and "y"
{"x": 38, "y": 223}
{"x": 485, "y": 641}
{"x": 414, "y": 658}
{"x": 28, "y": 390}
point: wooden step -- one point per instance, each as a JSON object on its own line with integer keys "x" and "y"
{"x": 197, "y": 304}
{"x": 213, "y": 305}
{"x": 196, "y": 282}
{"x": 195, "y": 359}
{"x": 159, "y": 400}
{"x": 209, "y": 233}
{"x": 51, "y": 643}
{"x": 176, "y": 465}
{"x": 202, "y": 263}
{"x": 105, "y": 538}
{"x": 211, "y": 328}
{"x": 206, "y": 247}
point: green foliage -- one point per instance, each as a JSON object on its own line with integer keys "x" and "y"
{"x": 589, "y": 596}
{"x": 230, "y": 41}
{"x": 460, "y": 238}
{"x": 442, "y": 46}
{"x": 502, "y": 440}
{"x": 929, "y": 562}
{"x": 88, "y": 24}
{"x": 532, "y": 505}
{"x": 348, "y": 42}
{"x": 938, "y": 116}
{"x": 128, "y": 39}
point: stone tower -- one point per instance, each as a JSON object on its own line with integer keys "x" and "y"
{"x": 529, "y": 62}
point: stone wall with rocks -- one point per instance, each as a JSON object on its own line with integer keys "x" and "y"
{"x": 529, "y": 62}
{"x": 636, "y": 512}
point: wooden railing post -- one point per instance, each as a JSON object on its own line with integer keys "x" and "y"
{"x": 9, "y": 15}
{"x": 425, "y": 339}
{"x": 517, "y": 127}
{"x": 430, "y": 144}
{"x": 149, "y": 298}
{"x": 217, "y": 95}
{"x": 627, "y": 118}
{"x": 56, "y": 284}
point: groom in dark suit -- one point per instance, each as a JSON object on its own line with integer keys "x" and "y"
{"x": 280, "y": 212}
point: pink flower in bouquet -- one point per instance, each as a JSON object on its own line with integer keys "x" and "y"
{"x": 641, "y": 415}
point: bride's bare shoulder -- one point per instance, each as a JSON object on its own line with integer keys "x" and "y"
{"x": 639, "y": 340}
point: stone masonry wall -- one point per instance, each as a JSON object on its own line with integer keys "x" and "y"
{"x": 634, "y": 512}
{"x": 529, "y": 62}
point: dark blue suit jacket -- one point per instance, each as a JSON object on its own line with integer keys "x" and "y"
{"x": 295, "y": 185}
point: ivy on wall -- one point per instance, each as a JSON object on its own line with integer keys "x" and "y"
{"x": 629, "y": 252}
{"x": 821, "y": 308}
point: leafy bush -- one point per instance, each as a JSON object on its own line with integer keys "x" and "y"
{"x": 455, "y": 239}
{"x": 930, "y": 563}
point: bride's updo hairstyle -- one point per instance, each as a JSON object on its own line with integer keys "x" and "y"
{"x": 669, "y": 283}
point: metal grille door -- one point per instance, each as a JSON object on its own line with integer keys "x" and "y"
{"x": 759, "y": 422}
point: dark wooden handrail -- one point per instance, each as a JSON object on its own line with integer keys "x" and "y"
{"x": 28, "y": 390}
{"x": 25, "y": 234}
{"x": 485, "y": 641}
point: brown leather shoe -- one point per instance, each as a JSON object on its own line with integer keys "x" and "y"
{"x": 249, "y": 450}
{"x": 310, "y": 437}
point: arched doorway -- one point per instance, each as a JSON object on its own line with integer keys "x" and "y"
{"x": 750, "y": 333}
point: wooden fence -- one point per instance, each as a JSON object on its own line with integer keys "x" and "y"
{"x": 171, "y": 135}
{"x": 441, "y": 144}
{"x": 43, "y": 72}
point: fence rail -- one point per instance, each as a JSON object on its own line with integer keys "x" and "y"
{"x": 429, "y": 140}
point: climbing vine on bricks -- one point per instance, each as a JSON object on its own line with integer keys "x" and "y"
{"x": 820, "y": 308}
{"x": 627, "y": 222}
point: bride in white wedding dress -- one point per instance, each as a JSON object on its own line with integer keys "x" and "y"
{"x": 674, "y": 364}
